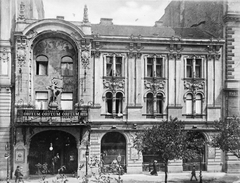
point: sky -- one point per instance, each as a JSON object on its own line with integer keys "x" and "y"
{"x": 123, "y": 12}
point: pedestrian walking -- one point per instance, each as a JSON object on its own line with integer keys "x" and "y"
{"x": 154, "y": 171}
{"x": 193, "y": 173}
{"x": 18, "y": 175}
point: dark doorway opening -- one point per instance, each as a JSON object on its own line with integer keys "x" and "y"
{"x": 53, "y": 152}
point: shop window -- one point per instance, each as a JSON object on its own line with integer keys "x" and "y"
{"x": 41, "y": 65}
{"x": 155, "y": 67}
{"x": 194, "y": 68}
{"x": 109, "y": 102}
{"x": 114, "y": 66}
{"x": 41, "y": 100}
{"x": 119, "y": 104}
{"x": 149, "y": 103}
{"x": 67, "y": 66}
{"x": 159, "y": 103}
{"x": 66, "y": 101}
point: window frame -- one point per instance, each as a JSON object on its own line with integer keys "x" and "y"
{"x": 37, "y": 100}
{"x": 194, "y": 67}
{"x": 43, "y": 63}
{"x": 70, "y": 74}
{"x": 66, "y": 100}
{"x": 114, "y": 58}
{"x": 154, "y": 64}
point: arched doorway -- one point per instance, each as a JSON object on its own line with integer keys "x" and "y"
{"x": 188, "y": 163}
{"x": 113, "y": 144}
{"x": 52, "y": 150}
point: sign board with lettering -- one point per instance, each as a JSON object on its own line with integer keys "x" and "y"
{"x": 31, "y": 115}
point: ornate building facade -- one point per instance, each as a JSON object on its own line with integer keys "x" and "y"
{"x": 72, "y": 87}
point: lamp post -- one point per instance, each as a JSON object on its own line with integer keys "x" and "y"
{"x": 119, "y": 158}
{"x": 6, "y": 156}
{"x": 87, "y": 155}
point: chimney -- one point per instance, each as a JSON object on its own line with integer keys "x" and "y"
{"x": 60, "y": 17}
{"x": 106, "y": 21}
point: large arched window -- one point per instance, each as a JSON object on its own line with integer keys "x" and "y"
{"x": 41, "y": 65}
{"x": 150, "y": 106}
{"x": 109, "y": 102}
{"x": 119, "y": 103}
{"x": 189, "y": 104}
{"x": 159, "y": 103}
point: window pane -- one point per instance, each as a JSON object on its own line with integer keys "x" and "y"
{"x": 189, "y": 104}
{"x": 42, "y": 68}
{"x": 109, "y": 102}
{"x": 42, "y": 95}
{"x": 42, "y": 58}
{"x": 41, "y": 100}
{"x": 119, "y": 66}
{"x": 159, "y": 103}
{"x": 67, "y": 69}
{"x": 150, "y": 67}
{"x": 67, "y": 59}
{"x": 199, "y": 104}
{"x": 198, "y": 68}
{"x": 66, "y": 96}
{"x": 119, "y": 101}
{"x": 149, "y": 103}
{"x": 189, "y": 68}
{"x": 65, "y": 104}
{"x": 159, "y": 67}
{"x": 109, "y": 65}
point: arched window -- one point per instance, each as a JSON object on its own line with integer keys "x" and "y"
{"x": 67, "y": 66}
{"x": 149, "y": 103}
{"x": 159, "y": 103}
{"x": 109, "y": 102}
{"x": 189, "y": 104}
{"x": 198, "y": 104}
{"x": 119, "y": 103}
{"x": 41, "y": 65}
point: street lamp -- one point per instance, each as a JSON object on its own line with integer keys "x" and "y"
{"x": 119, "y": 158}
{"x": 87, "y": 155}
{"x": 6, "y": 156}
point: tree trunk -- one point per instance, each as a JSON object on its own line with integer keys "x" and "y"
{"x": 166, "y": 171}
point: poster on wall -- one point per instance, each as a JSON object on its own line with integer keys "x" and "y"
{"x": 19, "y": 156}
{"x": 134, "y": 153}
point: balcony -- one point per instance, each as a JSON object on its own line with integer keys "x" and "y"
{"x": 32, "y": 117}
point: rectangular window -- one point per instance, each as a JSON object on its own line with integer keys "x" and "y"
{"x": 41, "y": 100}
{"x": 154, "y": 67}
{"x": 67, "y": 69}
{"x": 114, "y": 66}
{"x": 194, "y": 68}
{"x": 67, "y": 101}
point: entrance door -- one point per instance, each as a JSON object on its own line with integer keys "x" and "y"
{"x": 113, "y": 149}
{"x": 51, "y": 152}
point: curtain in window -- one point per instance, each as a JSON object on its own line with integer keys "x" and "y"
{"x": 119, "y": 102}
{"x": 109, "y": 66}
{"x": 119, "y": 66}
{"x": 189, "y": 104}
{"x": 149, "y": 103}
{"x": 109, "y": 102}
{"x": 159, "y": 67}
{"x": 198, "y": 104}
{"x": 150, "y": 67}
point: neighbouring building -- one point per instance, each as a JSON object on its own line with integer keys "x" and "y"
{"x": 72, "y": 87}
{"x": 220, "y": 19}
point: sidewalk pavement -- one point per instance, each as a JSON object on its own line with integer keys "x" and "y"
{"x": 144, "y": 177}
